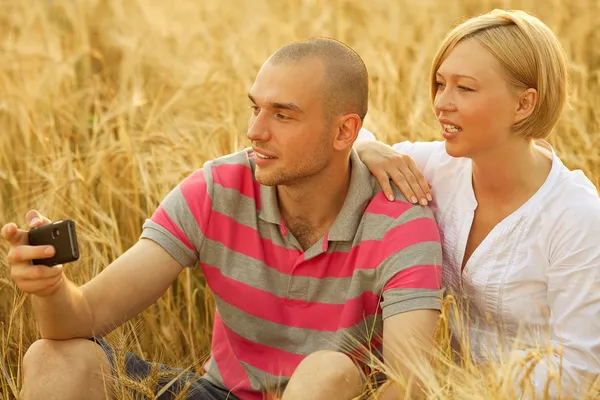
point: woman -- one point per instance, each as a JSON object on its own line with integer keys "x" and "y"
{"x": 521, "y": 232}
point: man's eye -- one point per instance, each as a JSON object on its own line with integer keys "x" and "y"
{"x": 255, "y": 109}
{"x": 282, "y": 117}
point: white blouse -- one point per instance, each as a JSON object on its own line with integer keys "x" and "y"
{"x": 535, "y": 277}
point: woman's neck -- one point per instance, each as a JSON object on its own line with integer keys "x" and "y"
{"x": 511, "y": 172}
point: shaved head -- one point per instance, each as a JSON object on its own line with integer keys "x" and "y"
{"x": 345, "y": 80}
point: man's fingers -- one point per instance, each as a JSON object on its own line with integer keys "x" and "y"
{"x": 9, "y": 231}
{"x": 40, "y": 286}
{"x": 34, "y": 219}
{"x": 24, "y": 253}
{"x": 26, "y": 272}
{"x": 13, "y": 235}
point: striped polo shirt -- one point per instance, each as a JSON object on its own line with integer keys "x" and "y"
{"x": 277, "y": 303}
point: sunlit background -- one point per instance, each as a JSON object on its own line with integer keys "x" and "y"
{"x": 106, "y": 105}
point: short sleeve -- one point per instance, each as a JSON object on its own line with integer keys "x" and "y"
{"x": 411, "y": 278}
{"x": 180, "y": 221}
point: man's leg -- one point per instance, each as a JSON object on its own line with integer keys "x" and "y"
{"x": 80, "y": 369}
{"x": 65, "y": 369}
{"x": 324, "y": 375}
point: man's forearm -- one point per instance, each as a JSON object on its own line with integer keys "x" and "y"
{"x": 408, "y": 339}
{"x": 65, "y": 314}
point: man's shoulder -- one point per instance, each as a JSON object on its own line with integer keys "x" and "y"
{"x": 393, "y": 209}
{"x": 241, "y": 158}
{"x": 233, "y": 170}
{"x": 380, "y": 213}
{"x": 396, "y": 212}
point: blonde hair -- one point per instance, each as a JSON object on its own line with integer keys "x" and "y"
{"x": 530, "y": 56}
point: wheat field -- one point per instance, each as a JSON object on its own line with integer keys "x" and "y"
{"x": 105, "y": 105}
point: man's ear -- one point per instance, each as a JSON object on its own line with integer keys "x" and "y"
{"x": 347, "y": 133}
{"x": 526, "y": 105}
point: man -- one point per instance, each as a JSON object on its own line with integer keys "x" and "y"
{"x": 302, "y": 251}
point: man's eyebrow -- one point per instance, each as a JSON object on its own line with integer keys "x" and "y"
{"x": 280, "y": 106}
{"x": 287, "y": 106}
{"x": 456, "y": 76}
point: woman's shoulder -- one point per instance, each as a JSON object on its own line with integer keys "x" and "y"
{"x": 573, "y": 210}
{"x": 424, "y": 153}
{"x": 429, "y": 148}
{"x": 573, "y": 191}
{"x": 429, "y": 154}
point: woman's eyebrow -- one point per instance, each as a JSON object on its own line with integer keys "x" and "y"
{"x": 456, "y": 76}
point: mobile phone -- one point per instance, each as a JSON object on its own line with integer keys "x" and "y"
{"x": 61, "y": 235}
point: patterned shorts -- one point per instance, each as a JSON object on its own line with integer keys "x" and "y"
{"x": 172, "y": 382}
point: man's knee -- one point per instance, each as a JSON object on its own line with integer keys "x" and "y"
{"x": 45, "y": 352}
{"x": 37, "y": 356}
{"x": 68, "y": 363}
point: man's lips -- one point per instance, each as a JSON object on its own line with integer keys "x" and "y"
{"x": 262, "y": 154}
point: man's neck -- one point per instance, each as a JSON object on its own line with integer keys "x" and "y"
{"x": 508, "y": 180}
{"x": 315, "y": 202}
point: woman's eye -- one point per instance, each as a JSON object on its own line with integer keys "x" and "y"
{"x": 439, "y": 85}
{"x": 465, "y": 89}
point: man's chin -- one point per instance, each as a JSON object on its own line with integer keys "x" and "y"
{"x": 265, "y": 179}
{"x": 276, "y": 177}
{"x": 266, "y": 183}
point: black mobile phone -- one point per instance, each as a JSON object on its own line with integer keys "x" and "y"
{"x": 61, "y": 235}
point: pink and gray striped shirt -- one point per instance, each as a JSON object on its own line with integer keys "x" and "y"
{"x": 277, "y": 303}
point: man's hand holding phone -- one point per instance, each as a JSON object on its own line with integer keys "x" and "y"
{"x": 38, "y": 280}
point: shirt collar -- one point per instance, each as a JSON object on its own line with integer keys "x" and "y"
{"x": 346, "y": 223}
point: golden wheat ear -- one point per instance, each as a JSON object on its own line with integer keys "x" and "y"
{"x": 106, "y": 105}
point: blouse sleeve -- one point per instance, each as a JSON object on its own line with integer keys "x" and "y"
{"x": 420, "y": 152}
{"x": 573, "y": 279}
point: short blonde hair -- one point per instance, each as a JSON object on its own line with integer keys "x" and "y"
{"x": 530, "y": 56}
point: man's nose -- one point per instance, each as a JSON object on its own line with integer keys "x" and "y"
{"x": 258, "y": 128}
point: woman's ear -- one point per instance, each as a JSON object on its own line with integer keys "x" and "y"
{"x": 527, "y": 104}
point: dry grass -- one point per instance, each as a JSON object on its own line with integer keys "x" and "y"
{"x": 106, "y": 104}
